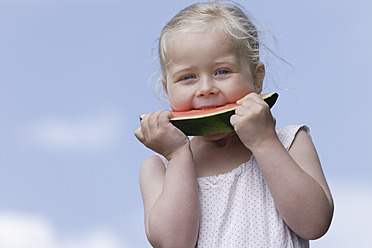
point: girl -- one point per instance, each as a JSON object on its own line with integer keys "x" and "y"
{"x": 254, "y": 187}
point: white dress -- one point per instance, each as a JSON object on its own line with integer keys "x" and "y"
{"x": 237, "y": 209}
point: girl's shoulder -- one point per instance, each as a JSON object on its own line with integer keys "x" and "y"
{"x": 152, "y": 167}
{"x": 153, "y": 161}
{"x": 288, "y": 134}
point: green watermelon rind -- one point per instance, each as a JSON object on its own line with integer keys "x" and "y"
{"x": 207, "y": 125}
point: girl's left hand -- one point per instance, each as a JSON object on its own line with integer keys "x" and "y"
{"x": 253, "y": 121}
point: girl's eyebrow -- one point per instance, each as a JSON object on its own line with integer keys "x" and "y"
{"x": 181, "y": 70}
{"x": 227, "y": 63}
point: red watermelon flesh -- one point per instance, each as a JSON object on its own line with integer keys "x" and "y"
{"x": 199, "y": 113}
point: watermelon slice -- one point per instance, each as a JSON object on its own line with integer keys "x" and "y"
{"x": 210, "y": 121}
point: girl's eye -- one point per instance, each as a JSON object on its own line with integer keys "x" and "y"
{"x": 188, "y": 77}
{"x": 222, "y": 71}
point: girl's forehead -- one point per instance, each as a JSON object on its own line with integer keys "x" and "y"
{"x": 177, "y": 43}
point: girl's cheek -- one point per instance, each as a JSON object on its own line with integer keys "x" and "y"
{"x": 177, "y": 105}
{"x": 179, "y": 101}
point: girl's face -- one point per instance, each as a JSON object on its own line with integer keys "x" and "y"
{"x": 204, "y": 70}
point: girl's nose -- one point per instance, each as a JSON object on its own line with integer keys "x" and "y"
{"x": 207, "y": 87}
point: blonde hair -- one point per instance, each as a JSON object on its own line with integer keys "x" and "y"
{"x": 216, "y": 16}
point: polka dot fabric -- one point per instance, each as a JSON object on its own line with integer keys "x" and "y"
{"x": 237, "y": 210}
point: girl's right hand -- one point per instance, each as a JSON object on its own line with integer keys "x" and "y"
{"x": 157, "y": 133}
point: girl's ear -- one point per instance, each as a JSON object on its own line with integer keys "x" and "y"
{"x": 164, "y": 82}
{"x": 258, "y": 77}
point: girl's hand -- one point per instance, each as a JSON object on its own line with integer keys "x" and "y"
{"x": 253, "y": 121}
{"x": 158, "y": 134}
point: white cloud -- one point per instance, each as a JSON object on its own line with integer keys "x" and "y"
{"x": 351, "y": 225}
{"x": 19, "y": 230}
{"x": 85, "y": 133}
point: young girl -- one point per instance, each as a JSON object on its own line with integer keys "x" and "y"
{"x": 254, "y": 187}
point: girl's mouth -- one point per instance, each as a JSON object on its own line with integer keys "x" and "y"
{"x": 207, "y": 107}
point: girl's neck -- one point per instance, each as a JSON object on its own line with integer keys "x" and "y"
{"x": 224, "y": 140}
{"x": 218, "y": 154}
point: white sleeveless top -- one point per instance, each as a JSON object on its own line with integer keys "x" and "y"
{"x": 237, "y": 209}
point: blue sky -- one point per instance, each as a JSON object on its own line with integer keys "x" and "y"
{"x": 74, "y": 78}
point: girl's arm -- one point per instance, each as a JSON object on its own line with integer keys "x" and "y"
{"x": 295, "y": 178}
{"x": 170, "y": 195}
{"x": 297, "y": 185}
